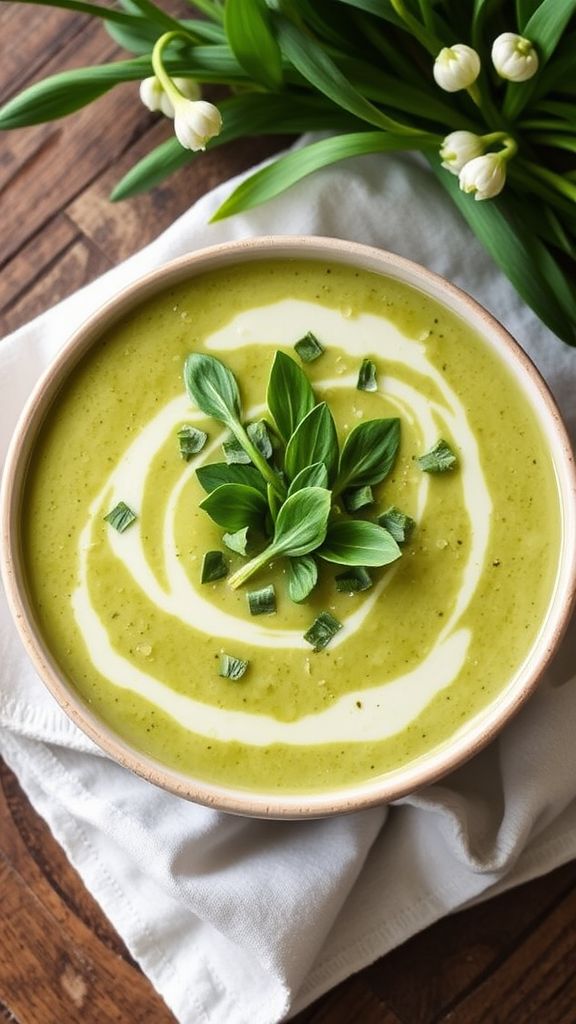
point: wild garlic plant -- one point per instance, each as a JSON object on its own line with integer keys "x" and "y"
{"x": 486, "y": 91}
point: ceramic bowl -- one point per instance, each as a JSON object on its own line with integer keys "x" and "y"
{"x": 481, "y": 729}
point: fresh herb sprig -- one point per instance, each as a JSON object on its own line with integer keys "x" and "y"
{"x": 300, "y": 494}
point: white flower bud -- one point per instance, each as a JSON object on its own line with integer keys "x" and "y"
{"x": 155, "y": 97}
{"x": 456, "y": 67}
{"x": 458, "y": 148}
{"x": 195, "y": 123}
{"x": 485, "y": 176}
{"x": 514, "y": 57}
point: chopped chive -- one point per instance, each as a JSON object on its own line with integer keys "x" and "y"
{"x": 232, "y": 668}
{"x": 121, "y": 517}
{"x": 234, "y": 452}
{"x": 354, "y": 580}
{"x": 367, "y": 376}
{"x": 191, "y": 441}
{"x": 322, "y": 630}
{"x": 214, "y": 567}
{"x": 263, "y": 601}
{"x": 258, "y": 434}
{"x": 239, "y": 541}
{"x": 309, "y": 348}
{"x": 398, "y": 524}
{"x": 438, "y": 459}
{"x": 357, "y": 497}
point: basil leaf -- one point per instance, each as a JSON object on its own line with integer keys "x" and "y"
{"x": 212, "y": 387}
{"x": 309, "y": 348}
{"x": 439, "y": 459}
{"x": 368, "y": 454}
{"x": 300, "y": 528}
{"x": 215, "y": 474}
{"x": 214, "y": 567}
{"x": 234, "y": 453}
{"x": 367, "y": 376}
{"x": 322, "y": 630}
{"x": 191, "y": 441}
{"x": 302, "y": 577}
{"x": 232, "y": 668}
{"x": 315, "y": 475}
{"x": 263, "y": 601}
{"x": 354, "y": 580}
{"x": 235, "y": 506}
{"x": 357, "y": 498}
{"x": 290, "y": 397}
{"x": 258, "y": 434}
{"x": 314, "y": 440}
{"x": 239, "y": 541}
{"x": 397, "y": 523}
{"x": 121, "y": 517}
{"x": 356, "y": 542}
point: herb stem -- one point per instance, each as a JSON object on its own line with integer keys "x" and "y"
{"x": 259, "y": 461}
{"x": 248, "y": 570}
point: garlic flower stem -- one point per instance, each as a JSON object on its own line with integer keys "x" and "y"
{"x": 159, "y": 70}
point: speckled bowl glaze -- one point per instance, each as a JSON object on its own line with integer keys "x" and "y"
{"x": 481, "y": 729}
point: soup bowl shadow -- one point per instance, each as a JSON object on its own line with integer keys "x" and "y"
{"x": 394, "y": 784}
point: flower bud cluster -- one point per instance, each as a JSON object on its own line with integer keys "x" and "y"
{"x": 457, "y": 67}
{"x": 479, "y": 173}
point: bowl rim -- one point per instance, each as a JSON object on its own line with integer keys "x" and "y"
{"x": 428, "y": 768}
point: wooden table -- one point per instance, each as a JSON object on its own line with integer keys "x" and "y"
{"x": 510, "y": 961}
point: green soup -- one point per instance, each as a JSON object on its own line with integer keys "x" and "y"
{"x": 436, "y": 637}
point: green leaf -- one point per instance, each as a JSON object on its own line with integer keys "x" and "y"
{"x": 439, "y": 459}
{"x": 212, "y": 387}
{"x": 214, "y": 567}
{"x": 515, "y": 250}
{"x": 354, "y": 580}
{"x": 322, "y": 630}
{"x": 356, "y": 542}
{"x": 368, "y": 454}
{"x": 234, "y": 453}
{"x": 302, "y": 577}
{"x": 234, "y": 506}
{"x": 258, "y": 434}
{"x": 315, "y": 475}
{"x": 314, "y": 440}
{"x": 544, "y": 28}
{"x": 239, "y": 541}
{"x": 252, "y": 40}
{"x": 397, "y": 523}
{"x": 289, "y": 395}
{"x": 288, "y": 170}
{"x": 232, "y": 668}
{"x": 191, "y": 441}
{"x": 121, "y": 517}
{"x": 263, "y": 601}
{"x": 357, "y": 498}
{"x": 309, "y": 348}
{"x": 157, "y": 16}
{"x": 300, "y": 528}
{"x": 367, "y": 380}
{"x": 314, "y": 64}
{"x": 274, "y": 503}
{"x": 217, "y": 473}
{"x": 95, "y": 10}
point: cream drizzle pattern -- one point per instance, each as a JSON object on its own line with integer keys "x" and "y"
{"x": 385, "y": 709}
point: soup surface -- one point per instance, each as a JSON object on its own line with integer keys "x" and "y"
{"x": 438, "y": 635}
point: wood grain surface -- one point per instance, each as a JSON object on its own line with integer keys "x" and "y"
{"x": 509, "y": 961}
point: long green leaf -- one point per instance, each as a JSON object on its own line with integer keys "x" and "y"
{"x": 314, "y": 64}
{"x": 544, "y": 28}
{"x": 246, "y": 114}
{"x": 157, "y": 15}
{"x": 509, "y": 247}
{"x": 289, "y": 396}
{"x": 139, "y": 37}
{"x": 252, "y": 40}
{"x": 95, "y": 10}
{"x": 286, "y": 171}
{"x": 524, "y": 11}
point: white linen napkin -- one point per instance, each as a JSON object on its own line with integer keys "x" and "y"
{"x": 238, "y": 921}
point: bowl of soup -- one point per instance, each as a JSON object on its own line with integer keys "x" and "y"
{"x": 289, "y": 527}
